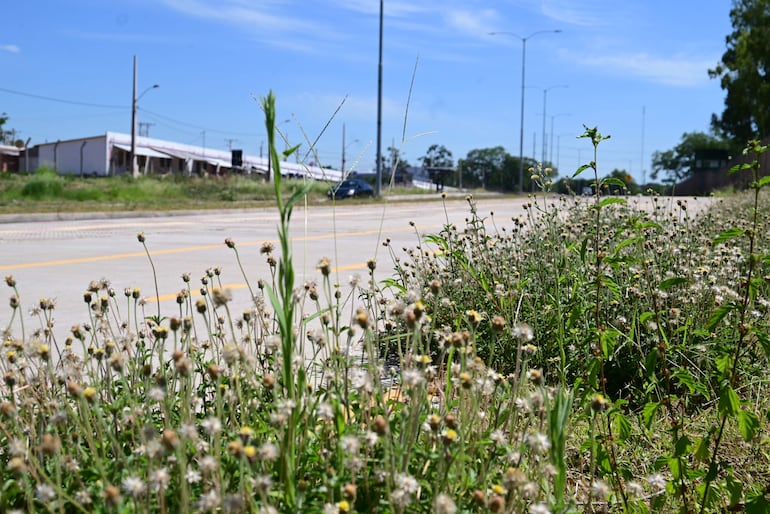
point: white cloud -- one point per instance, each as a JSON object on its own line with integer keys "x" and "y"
{"x": 10, "y": 48}
{"x": 680, "y": 70}
{"x": 473, "y": 23}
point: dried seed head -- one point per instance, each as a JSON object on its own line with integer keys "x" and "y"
{"x": 536, "y": 376}
{"x": 170, "y": 439}
{"x": 324, "y": 266}
{"x": 349, "y": 491}
{"x": 50, "y": 444}
{"x": 10, "y": 281}
{"x": 498, "y": 323}
{"x": 112, "y": 495}
{"x": 380, "y": 425}
{"x": 362, "y": 317}
{"x": 140, "y": 237}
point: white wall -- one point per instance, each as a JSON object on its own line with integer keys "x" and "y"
{"x": 66, "y": 157}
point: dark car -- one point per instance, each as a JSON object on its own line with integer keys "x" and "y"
{"x": 351, "y": 188}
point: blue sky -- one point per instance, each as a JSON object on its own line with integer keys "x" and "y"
{"x": 637, "y": 69}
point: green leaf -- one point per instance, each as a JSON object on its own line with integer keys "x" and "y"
{"x": 682, "y": 446}
{"x": 728, "y": 234}
{"x": 583, "y": 249}
{"x": 648, "y": 413}
{"x": 581, "y": 169}
{"x": 645, "y": 317}
{"x": 729, "y": 403}
{"x": 719, "y": 314}
{"x": 671, "y": 282}
{"x": 723, "y": 363}
{"x": 610, "y": 200}
{"x": 686, "y": 378}
{"x": 748, "y": 424}
{"x": 702, "y": 449}
{"x": 764, "y": 341}
{"x": 622, "y": 426}
{"x": 740, "y": 167}
{"x": 757, "y": 504}
{"x": 763, "y": 181}
{"x": 612, "y": 181}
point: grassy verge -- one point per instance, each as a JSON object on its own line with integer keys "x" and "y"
{"x": 44, "y": 191}
{"x": 589, "y": 357}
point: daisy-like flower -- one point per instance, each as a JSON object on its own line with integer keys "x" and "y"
{"x": 657, "y": 482}
{"x": 443, "y": 504}
{"x": 45, "y": 493}
{"x": 539, "y": 508}
{"x": 159, "y": 479}
{"x": 212, "y": 425}
{"x": 412, "y": 377}
{"x": 133, "y": 486}
{"x": 268, "y": 452}
{"x": 350, "y": 444}
{"x": 538, "y": 442}
{"x": 209, "y": 501}
{"x": 208, "y": 464}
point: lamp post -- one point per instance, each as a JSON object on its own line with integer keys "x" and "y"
{"x": 523, "y": 72}
{"x": 545, "y": 103}
{"x": 378, "y": 183}
{"x": 550, "y": 139}
{"x": 344, "y": 148}
{"x": 134, "y": 100}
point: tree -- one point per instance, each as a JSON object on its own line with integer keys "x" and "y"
{"x": 437, "y": 156}
{"x": 678, "y": 162}
{"x": 3, "y": 133}
{"x": 394, "y": 166}
{"x": 490, "y": 168}
{"x": 744, "y": 73}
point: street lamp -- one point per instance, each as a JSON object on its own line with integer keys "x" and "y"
{"x": 134, "y": 100}
{"x": 550, "y": 139}
{"x": 545, "y": 102}
{"x": 523, "y": 71}
{"x": 345, "y": 147}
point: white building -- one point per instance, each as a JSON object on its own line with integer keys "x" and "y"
{"x": 109, "y": 154}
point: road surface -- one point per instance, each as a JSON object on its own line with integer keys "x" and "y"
{"x": 57, "y": 259}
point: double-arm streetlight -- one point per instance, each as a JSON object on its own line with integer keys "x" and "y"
{"x": 134, "y": 100}
{"x": 523, "y": 72}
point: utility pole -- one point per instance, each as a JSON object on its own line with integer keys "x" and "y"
{"x": 144, "y": 128}
{"x": 230, "y": 142}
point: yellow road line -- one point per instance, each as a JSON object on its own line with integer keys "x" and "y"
{"x": 81, "y": 260}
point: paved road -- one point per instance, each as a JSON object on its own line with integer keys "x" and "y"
{"x": 57, "y": 259}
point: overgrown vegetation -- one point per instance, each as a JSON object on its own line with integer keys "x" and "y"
{"x": 593, "y": 356}
{"x": 45, "y": 191}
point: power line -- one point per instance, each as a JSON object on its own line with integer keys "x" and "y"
{"x": 199, "y": 127}
{"x": 61, "y": 100}
{"x": 123, "y": 107}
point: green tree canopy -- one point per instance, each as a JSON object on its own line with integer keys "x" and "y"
{"x": 437, "y": 156}
{"x": 744, "y": 73}
{"x": 677, "y": 163}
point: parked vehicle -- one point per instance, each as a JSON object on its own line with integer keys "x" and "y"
{"x": 351, "y": 188}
